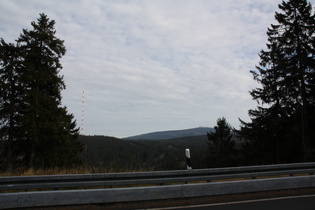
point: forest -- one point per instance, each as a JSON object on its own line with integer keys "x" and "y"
{"x": 113, "y": 154}
{"x": 37, "y": 131}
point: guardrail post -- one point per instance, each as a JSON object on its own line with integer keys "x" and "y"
{"x": 187, "y": 152}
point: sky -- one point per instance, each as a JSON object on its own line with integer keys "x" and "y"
{"x": 150, "y": 66}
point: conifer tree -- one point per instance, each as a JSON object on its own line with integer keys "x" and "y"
{"x": 34, "y": 124}
{"x": 298, "y": 41}
{"x": 221, "y": 150}
{"x": 11, "y": 102}
{"x": 49, "y": 129}
{"x": 280, "y": 124}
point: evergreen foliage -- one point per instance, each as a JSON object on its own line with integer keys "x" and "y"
{"x": 11, "y": 101}
{"x": 279, "y": 130}
{"x": 45, "y": 134}
{"x": 221, "y": 147}
{"x": 103, "y": 153}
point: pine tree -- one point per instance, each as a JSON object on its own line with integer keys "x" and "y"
{"x": 286, "y": 73}
{"x": 221, "y": 150}
{"x": 11, "y": 103}
{"x": 48, "y": 128}
{"x": 34, "y": 127}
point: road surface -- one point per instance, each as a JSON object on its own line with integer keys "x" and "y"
{"x": 303, "y": 202}
{"x": 299, "y": 199}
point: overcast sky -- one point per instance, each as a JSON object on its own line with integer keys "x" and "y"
{"x": 152, "y": 65}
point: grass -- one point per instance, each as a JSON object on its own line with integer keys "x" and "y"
{"x": 50, "y": 171}
{"x": 64, "y": 171}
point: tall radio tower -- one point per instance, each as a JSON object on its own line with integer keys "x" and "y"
{"x": 82, "y": 119}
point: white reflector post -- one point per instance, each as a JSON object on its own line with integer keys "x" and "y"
{"x": 187, "y": 152}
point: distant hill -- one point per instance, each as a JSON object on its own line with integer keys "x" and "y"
{"x": 113, "y": 154}
{"x": 172, "y": 134}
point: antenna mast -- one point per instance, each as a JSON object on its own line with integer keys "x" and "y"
{"x": 82, "y": 119}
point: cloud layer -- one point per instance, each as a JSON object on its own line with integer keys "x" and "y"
{"x": 152, "y": 65}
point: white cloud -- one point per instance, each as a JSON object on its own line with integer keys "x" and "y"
{"x": 152, "y": 65}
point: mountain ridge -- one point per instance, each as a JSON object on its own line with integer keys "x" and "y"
{"x": 171, "y": 134}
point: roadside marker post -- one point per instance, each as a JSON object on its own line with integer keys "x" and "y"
{"x": 187, "y": 152}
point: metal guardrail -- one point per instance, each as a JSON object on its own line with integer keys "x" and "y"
{"x": 54, "y": 190}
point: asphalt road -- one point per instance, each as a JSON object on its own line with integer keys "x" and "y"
{"x": 298, "y": 199}
{"x": 305, "y": 202}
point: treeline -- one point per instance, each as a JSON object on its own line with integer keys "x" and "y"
{"x": 35, "y": 129}
{"x": 281, "y": 129}
{"x": 103, "y": 153}
{"x": 282, "y": 126}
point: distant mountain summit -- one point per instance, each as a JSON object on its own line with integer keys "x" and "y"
{"x": 172, "y": 134}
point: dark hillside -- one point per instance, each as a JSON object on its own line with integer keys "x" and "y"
{"x": 126, "y": 155}
{"x": 111, "y": 153}
{"x": 172, "y": 134}
{"x": 173, "y": 151}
